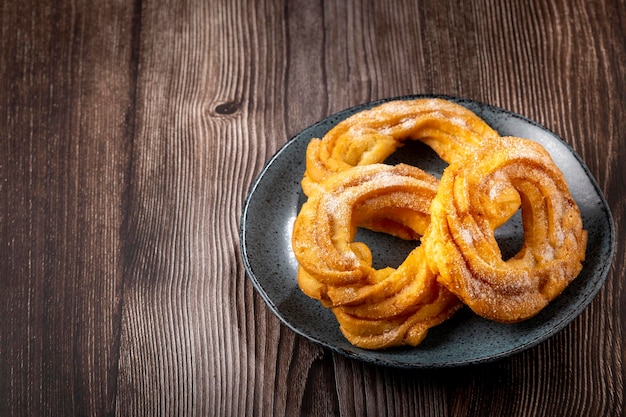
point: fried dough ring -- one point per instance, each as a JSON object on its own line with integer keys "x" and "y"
{"x": 370, "y": 136}
{"x": 375, "y": 308}
{"x": 460, "y": 242}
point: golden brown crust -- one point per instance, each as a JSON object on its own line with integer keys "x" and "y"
{"x": 461, "y": 245}
{"x": 372, "y": 135}
{"x": 325, "y": 227}
{"x": 375, "y": 308}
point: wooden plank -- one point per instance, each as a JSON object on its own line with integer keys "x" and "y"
{"x": 64, "y": 154}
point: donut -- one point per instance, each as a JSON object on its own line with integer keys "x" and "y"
{"x": 375, "y": 308}
{"x": 370, "y": 136}
{"x": 461, "y": 247}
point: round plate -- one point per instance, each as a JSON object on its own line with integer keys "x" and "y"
{"x": 275, "y": 200}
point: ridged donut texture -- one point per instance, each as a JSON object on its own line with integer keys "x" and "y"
{"x": 461, "y": 246}
{"x": 372, "y": 135}
{"x": 375, "y": 308}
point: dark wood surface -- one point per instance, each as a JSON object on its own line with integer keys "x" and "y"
{"x": 130, "y": 133}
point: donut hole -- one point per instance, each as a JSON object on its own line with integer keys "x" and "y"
{"x": 418, "y": 154}
{"x": 510, "y": 236}
{"x": 387, "y": 250}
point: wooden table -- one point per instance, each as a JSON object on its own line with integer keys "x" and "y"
{"x": 131, "y": 133}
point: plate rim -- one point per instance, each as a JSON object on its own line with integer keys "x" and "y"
{"x": 342, "y": 114}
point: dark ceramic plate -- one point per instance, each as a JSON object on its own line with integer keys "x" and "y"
{"x": 275, "y": 199}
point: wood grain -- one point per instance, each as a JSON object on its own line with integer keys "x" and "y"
{"x": 63, "y": 155}
{"x": 131, "y": 133}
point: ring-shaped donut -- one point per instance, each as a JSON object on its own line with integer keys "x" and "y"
{"x": 370, "y": 136}
{"x": 460, "y": 243}
{"x": 376, "y": 308}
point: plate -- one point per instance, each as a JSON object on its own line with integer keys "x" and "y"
{"x": 274, "y": 201}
